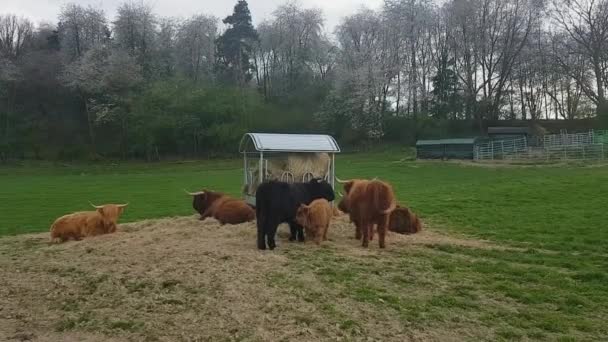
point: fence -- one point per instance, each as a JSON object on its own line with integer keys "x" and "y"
{"x": 500, "y": 149}
{"x": 565, "y": 139}
{"x": 564, "y": 146}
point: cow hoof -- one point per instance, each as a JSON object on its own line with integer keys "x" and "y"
{"x": 292, "y": 239}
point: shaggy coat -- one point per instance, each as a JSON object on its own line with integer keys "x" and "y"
{"x": 278, "y": 202}
{"x": 225, "y": 209}
{"x": 404, "y": 221}
{"x": 369, "y": 203}
{"x": 87, "y": 223}
{"x": 315, "y": 219}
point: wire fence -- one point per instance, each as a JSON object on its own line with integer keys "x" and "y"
{"x": 500, "y": 149}
{"x": 591, "y": 145}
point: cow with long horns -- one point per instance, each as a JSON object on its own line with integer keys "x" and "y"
{"x": 87, "y": 223}
{"x": 368, "y": 203}
{"x": 223, "y": 208}
{"x": 278, "y": 202}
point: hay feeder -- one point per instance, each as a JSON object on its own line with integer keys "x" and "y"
{"x": 286, "y": 157}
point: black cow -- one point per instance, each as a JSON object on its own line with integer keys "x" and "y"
{"x": 278, "y": 202}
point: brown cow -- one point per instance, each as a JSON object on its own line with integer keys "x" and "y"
{"x": 315, "y": 218}
{"x": 223, "y": 208}
{"x": 369, "y": 203}
{"x": 404, "y": 221}
{"x": 87, "y": 223}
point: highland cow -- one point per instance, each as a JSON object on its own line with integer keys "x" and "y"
{"x": 315, "y": 219}
{"x": 87, "y": 223}
{"x": 369, "y": 203}
{"x": 277, "y": 202}
{"x": 225, "y": 209}
{"x": 404, "y": 221}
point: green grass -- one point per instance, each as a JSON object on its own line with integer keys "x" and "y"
{"x": 558, "y": 208}
{"x": 32, "y": 197}
{"x": 554, "y": 286}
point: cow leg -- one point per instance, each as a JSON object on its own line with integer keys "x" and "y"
{"x": 261, "y": 232}
{"x": 318, "y": 235}
{"x": 272, "y": 231}
{"x": 297, "y": 232}
{"x": 358, "y": 230}
{"x": 293, "y": 232}
{"x": 301, "y": 237}
{"x": 325, "y": 233}
{"x": 365, "y": 228}
{"x": 382, "y": 228}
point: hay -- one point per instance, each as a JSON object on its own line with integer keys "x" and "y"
{"x": 182, "y": 279}
{"x": 295, "y": 167}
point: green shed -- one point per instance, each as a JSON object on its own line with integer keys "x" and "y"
{"x": 463, "y": 148}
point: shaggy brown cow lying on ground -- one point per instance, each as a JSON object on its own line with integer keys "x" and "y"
{"x": 315, "y": 219}
{"x": 225, "y": 209}
{"x": 87, "y": 223}
{"x": 404, "y": 221}
{"x": 369, "y": 203}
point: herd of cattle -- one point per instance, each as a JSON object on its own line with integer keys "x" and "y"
{"x": 305, "y": 207}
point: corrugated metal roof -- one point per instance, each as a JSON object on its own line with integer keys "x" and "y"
{"x": 270, "y": 142}
{"x": 460, "y": 141}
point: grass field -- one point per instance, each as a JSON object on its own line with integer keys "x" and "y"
{"x": 511, "y": 253}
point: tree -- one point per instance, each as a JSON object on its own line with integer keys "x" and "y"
{"x": 15, "y": 34}
{"x": 102, "y": 78}
{"x": 196, "y": 47}
{"x": 586, "y": 23}
{"x": 81, "y": 29}
{"x": 235, "y": 46}
{"x": 135, "y": 32}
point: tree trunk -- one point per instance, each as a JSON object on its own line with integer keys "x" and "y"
{"x": 398, "y": 91}
{"x": 90, "y": 124}
{"x": 602, "y": 106}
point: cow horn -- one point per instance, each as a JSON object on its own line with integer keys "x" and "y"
{"x": 122, "y": 205}
{"x": 340, "y": 194}
{"x": 194, "y": 193}
{"x": 96, "y": 206}
{"x": 340, "y": 181}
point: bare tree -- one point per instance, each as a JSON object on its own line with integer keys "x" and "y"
{"x": 196, "y": 46}
{"x": 15, "y": 34}
{"x": 292, "y": 50}
{"x": 81, "y": 28}
{"x": 135, "y": 30}
{"x": 586, "y": 23}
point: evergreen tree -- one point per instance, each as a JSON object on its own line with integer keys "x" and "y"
{"x": 447, "y": 102}
{"x": 235, "y": 46}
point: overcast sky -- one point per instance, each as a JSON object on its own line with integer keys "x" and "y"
{"x": 47, "y": 10}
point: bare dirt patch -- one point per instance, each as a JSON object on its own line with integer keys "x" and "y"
{"x": 182, "y": 279}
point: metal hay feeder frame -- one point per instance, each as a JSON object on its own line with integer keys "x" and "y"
{"x": 261, "y": 146}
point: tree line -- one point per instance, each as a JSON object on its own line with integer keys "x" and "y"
{"x": 146, "y": 86}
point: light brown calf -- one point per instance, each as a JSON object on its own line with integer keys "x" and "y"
{"x": 315, "y": 218}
